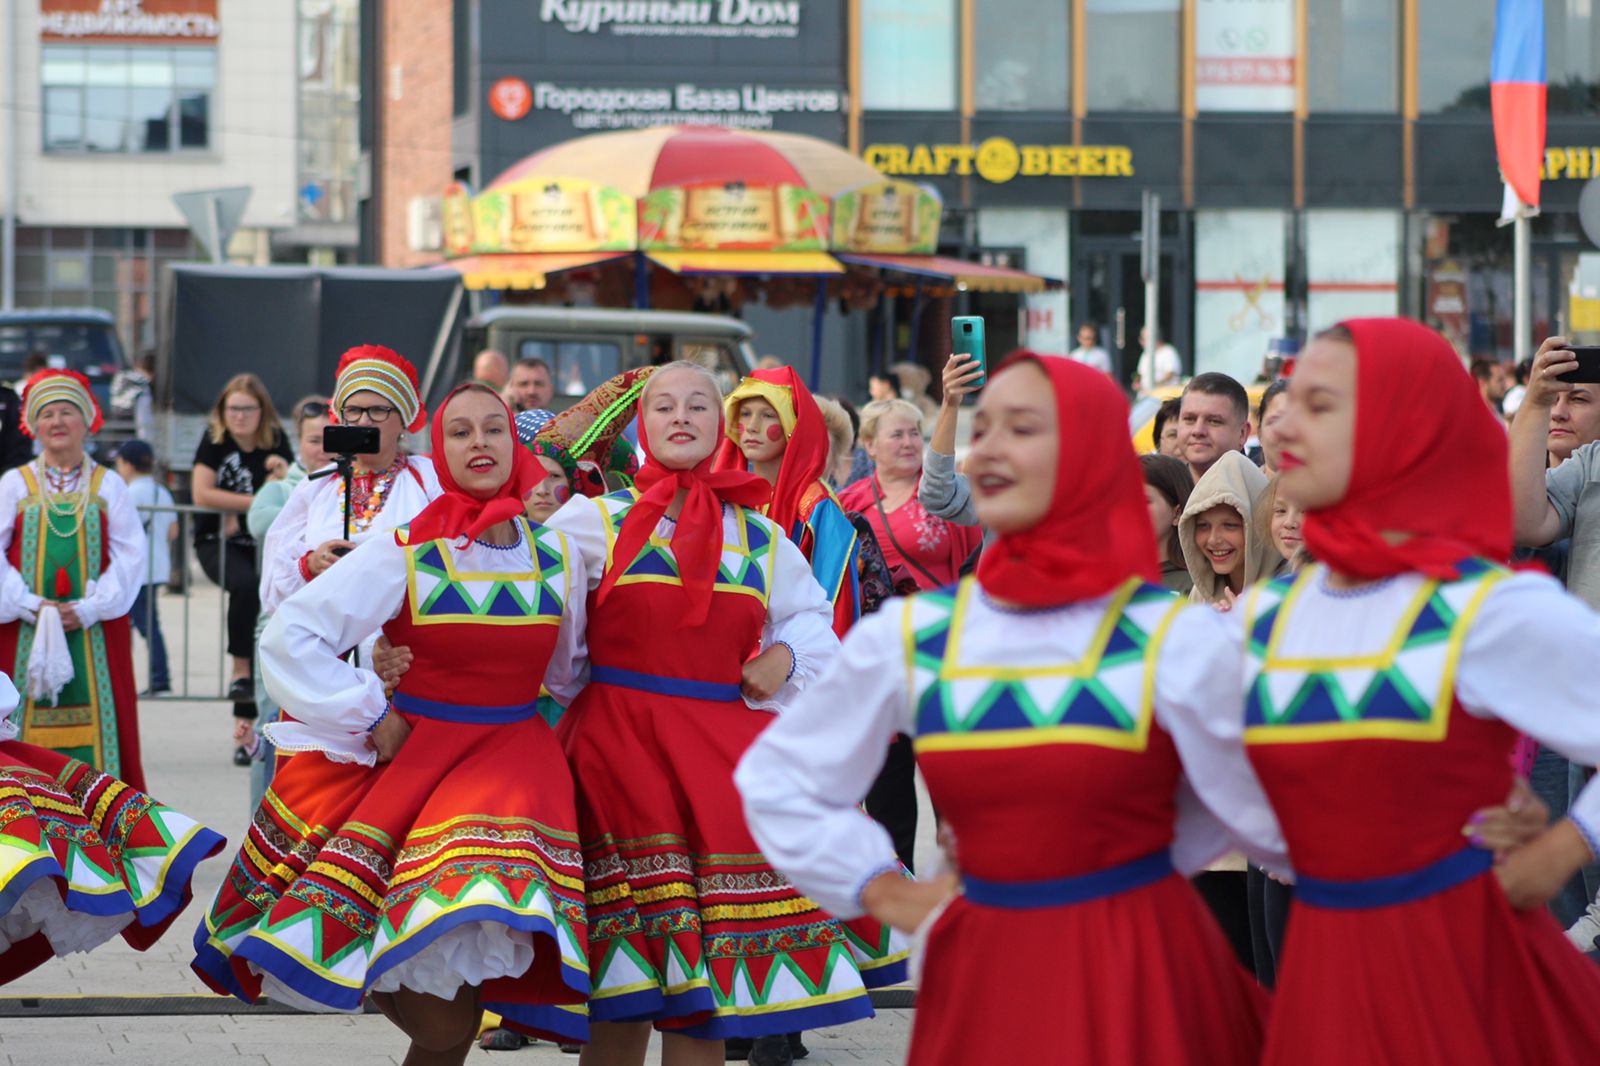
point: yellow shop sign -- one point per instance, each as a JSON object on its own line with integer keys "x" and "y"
{"x": 1572, "y": 163}
{"x": 999, "y": 159}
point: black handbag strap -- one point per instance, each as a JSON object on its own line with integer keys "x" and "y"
{"x": 877, "y": 499}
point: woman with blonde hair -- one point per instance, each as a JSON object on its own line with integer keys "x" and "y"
{"x": 931, "y": 549}
{"x": 243, "y": 448}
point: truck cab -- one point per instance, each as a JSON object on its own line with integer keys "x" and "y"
{"x": 83, "y": 339}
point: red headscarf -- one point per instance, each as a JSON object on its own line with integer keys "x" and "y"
{"x": 1430, "y": 462}
{"x": 697, "y": 541}
{"x": 1097, "y": 532}
{"x": 458, "y": 514}
{"x": 805, "y": 458}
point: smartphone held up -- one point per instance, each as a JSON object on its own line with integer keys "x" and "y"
{"x": 1588, "y": 369}
{"x": 966, "y": 334}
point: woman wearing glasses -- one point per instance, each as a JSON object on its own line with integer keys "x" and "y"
{"x": 243, "y": 448}
{"x": 375, "y": 387}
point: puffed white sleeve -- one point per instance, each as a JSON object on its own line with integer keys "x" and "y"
{"x": 800, "y": 616}
{"x": 16, "y": 599}
{"x": 1199, "y": 701}
{"x": 583, "y": 522}
{"x": 333, "y": 703}
{"x": 283, "y": 546}
{"x": 568, "y": 671}
{"x": 111, "y": 595}
{"x": 9, "y": 700}
{"x": 1530, "y": 619}
{"x": 803, "y": 779}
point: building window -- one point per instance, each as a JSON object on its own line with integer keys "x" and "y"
{"x": 1352, "y": 265}
{"x": 908, "y": 55}
{"x": 1021, "y": 56}
{"x": 114, "y": 269}
{"x": 1453, "y": 57}
{"x": 330, "y": 109}
{"x": 1131, "y": 54}
{"x": 1572, "y": 56}
{"x": 1354, "y": 62}
{"x": 100, "y": 98}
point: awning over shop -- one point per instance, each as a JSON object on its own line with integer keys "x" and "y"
{"x": 528, "y": 271}
{"x": 803, "y": 264}
{"x": 974, "y": 277}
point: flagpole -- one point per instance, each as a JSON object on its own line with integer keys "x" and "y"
{"x": 1522, "y": 296}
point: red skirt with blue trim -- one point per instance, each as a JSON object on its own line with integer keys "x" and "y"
{"x": 456, "y": 863}
{"x": 83, "y": 857}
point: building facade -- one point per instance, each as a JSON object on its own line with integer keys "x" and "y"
{"x": 120, "y": 104}
{"x": 1314, "y": 159}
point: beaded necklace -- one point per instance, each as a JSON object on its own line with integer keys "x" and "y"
{"x": 368, "y": 493}
{"x": 66, "y": 496}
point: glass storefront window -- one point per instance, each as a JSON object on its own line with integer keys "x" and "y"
{"x": 1021, "y": 55}
{"x": 908, "y": 55}
{"x": 1572, "y": 56}
{"x": 1456, "y": 37}
{"x": 1132, "y": 54}
{"x": 1354, "y": 61}
{"x": 109, "y": 99}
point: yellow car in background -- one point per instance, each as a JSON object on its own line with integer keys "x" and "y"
{"x": 1142, "y": 415}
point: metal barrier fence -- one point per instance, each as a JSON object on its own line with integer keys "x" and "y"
{"x": 189, "y": 586}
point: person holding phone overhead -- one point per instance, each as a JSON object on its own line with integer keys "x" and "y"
{"x": 922, "y": 545}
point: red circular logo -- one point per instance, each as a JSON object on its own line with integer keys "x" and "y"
{"x": 510, "y": 98}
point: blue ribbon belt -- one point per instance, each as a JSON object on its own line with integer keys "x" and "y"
{"x": 467, "y": 713}
{"x": 664, "y": 686}
{"x": 1062, "y": 891}
{"x": 1452, "y": 870}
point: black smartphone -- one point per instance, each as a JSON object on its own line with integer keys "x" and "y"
{"x": 351, "y": 440}
{"x": 1588, "y": 372}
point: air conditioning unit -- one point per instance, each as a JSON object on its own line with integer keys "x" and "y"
{"x": 424, "y": 224}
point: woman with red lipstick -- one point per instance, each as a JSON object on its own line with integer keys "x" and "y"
{"x": 690, "y": 929}
{"x": 1054, "y": 700}
{"x": 401, "y": 854}
{"x": 776, "y": 431}
{"x": 931, "y": 549}
{"x": 1386, "y": 685}
{"x": 74, "y": 559}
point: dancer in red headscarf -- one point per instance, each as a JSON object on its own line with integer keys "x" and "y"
{"x": 1385, "y": 688}
{"x": 690, "y": 928}
{"x": 423, "y": 848}
{"x": 1054, "y": 704}
{"x": 775, "y": 430}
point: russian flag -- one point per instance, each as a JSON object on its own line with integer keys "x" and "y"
{"x": 1517, "y": 94}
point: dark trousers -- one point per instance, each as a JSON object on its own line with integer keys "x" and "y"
{"x": 244, "y": 596}
{"x": 146, "y": 619}
{"x": 1269, "y": 919}
{"x": 892, "y": 802}
{"x": 1225, "y": 893}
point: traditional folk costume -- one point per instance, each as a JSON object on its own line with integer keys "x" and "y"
{"x": 380, "y": 502}
{"x": 803, "y": 505}
{"x": 586, "y": 439}
{"x": 690, "y": 928}
{"x": 1380, "y": 718}
{"x": 72, "y": 536}
{"x": 83, "y": 856}
{"x": 1054, "y": 703}
{"x": 457, "y": 862}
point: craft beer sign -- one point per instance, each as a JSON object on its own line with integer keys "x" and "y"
{"x": 129, "y": 21}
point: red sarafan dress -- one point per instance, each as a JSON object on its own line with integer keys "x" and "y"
{"x": 689, "y": 927}
{"x": 455, "y": 863}
{"x": 1378, "y": 721}
{"x": 1050, "y": 743}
